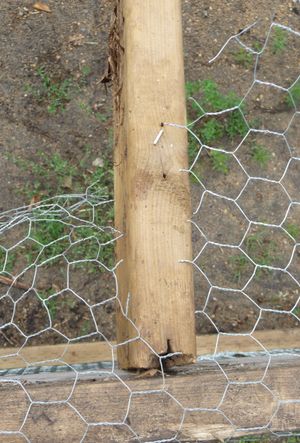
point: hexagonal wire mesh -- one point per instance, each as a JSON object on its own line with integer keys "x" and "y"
{"x": 57, "y": 271}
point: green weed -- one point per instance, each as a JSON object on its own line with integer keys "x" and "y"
{"x": 244, "y": 58}
{"x": 220, "y": 162}
{"x": 2, "y": 259}
{"x": 53, "y": 174}
{"x": 211, "y": 131}
{"x": 239, "y": 264}
{"x": 266, "y": 439}
{"x": 91, "y": 244}
{"x": 86, "y": 108}
{"x": 110, "y": 137}
{"x": 250, "y": 439}
{"x": 49, "y": 229}
{"x": 293, "y": 230}
{"x": 52, "y": 306}
{"x": 261, "y": 248}
{"x": 257, "y": 46}
{"x": 53, "y": 234}
{"x": 7, "y": 260}
{"x": 193, "y": 147}
{"x": 69, "y": 302}
{"x": 50, "y": 173}
{"x": 294, "y": 98}
{"x": 279, "y": 41}
{"x": 85, "y": 328}
{"x": 55, "y": 238}
{"x": 87, "y": 246}
{"x": 260, "y": 155}
{"x": 56, "y": 93}
{"x": 51, "y": 303}
{"x": 86, "y": 156}
{"x": 101, "y": 117}
{"x": 255, "y": 122}
{"x": 60, "y": 166}
{"x": 296, "y": 311}
{"x": 227, "y": 125}
{"x": 235, "y": 124}
{"x": 86, "y": 70}
{"x": 213, "y": 100}
{"x": 215, "y": 128}
{"x": 89, "y": 111}
{"x": 102, "y": 180}
{"x": 192, "y": 88}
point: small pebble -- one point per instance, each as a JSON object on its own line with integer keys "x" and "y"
{"x": 98, "y": 162}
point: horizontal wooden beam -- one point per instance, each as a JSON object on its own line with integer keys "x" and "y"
{"x": 214, "y": 400}
{"x": 101, "y": 351}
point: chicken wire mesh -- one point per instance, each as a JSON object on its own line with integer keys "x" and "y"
{"x": 58, "y": 282}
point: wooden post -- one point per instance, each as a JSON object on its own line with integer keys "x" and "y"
{"x": 152, "y": 196}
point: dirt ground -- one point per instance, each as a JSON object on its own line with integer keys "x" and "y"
{"x": 56, "y": 137}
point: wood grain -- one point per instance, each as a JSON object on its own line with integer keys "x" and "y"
{"x": 152, "y": 195}
{"x": 138, "y": 407}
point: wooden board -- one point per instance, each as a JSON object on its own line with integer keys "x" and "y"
{"x": 101, "y": 351}
{"x": 207, "y": 407}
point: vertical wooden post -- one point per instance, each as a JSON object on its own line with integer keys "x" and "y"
{"x": 152, "y": 196}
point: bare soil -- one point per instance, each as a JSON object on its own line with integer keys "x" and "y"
{"x": 53, "y": 106}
